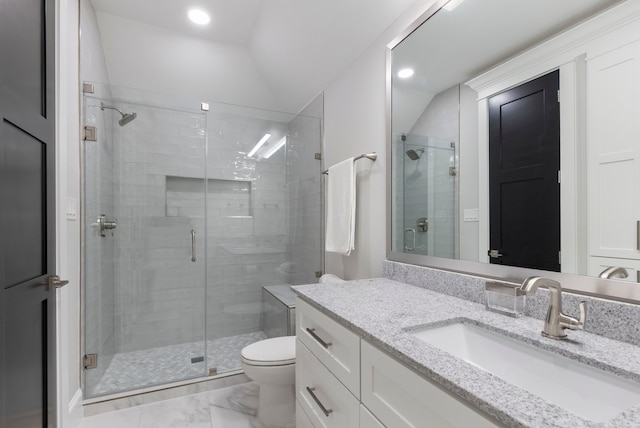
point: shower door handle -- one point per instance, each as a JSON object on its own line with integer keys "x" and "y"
{"x": 413, "y": 247}
{"x": 193, "y": 245}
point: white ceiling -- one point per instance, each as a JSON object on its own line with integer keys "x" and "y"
{"x": 299, "y": 46}
{"x": 480, "y": 34}
{"x": 232, "y": 20}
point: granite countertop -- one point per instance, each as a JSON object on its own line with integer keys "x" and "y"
{"x": 384, "y": 312}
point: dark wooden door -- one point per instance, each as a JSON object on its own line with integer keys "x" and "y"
{"x": 27, "y": 214}
{"x": 524, "y": 164}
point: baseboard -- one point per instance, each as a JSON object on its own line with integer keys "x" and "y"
{"x": 95, "y": 406}
{"x": 74, "y": 415}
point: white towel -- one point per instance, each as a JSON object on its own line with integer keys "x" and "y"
{"x": 341, "y": 208}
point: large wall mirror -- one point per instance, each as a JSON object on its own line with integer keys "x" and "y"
{"x": 514, "y": 144}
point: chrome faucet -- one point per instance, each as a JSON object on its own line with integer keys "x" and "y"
{"x": 555, "y": 322}
{"x": 614, "y": 272}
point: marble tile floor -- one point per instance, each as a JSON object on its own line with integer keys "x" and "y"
{"x": 134, "y": 370}
{"x": 231, "y": 407}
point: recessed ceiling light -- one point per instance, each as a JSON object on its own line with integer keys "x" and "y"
{"x": 199, "y": 16}
{"x": 405, "y": 72}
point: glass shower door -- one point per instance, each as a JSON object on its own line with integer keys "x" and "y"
{"x": 263, "y": 221}
{"x": 144, "y": 181}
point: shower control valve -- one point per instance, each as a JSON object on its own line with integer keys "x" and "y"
{"x": 104, "y": 225}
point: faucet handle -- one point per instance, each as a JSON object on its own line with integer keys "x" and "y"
{"x": 571, "y": 323}
{"x": 583, "y": 315}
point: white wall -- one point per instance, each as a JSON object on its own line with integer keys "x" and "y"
{"x": 355, "y": 124}
{"x": 468, "y": 172}
{"x": 190, "y": 67}
{"x": 68, "y": 232}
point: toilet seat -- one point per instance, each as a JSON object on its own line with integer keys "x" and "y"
{"x": 278, "y": 351}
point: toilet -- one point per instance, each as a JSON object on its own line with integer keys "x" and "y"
{"x": 271, "y": 364}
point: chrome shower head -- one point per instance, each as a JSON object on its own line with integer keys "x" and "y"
{"x": 126, "y": 117}
{"x": 413, "y": 154}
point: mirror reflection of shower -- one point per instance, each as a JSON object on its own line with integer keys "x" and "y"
{"x": 126, "y": 117}
{"x": 414, "y": 154}
{"x": 426, "y": 177}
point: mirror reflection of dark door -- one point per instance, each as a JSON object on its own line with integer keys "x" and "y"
{"x": 27, "y": 215}
{"x": 524, "y": 165}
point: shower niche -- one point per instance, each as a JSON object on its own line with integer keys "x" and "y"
{"x": 224, "y": 198}
{"x": 177, "y": 290}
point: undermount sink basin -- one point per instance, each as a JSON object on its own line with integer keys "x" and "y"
{"x": 580, "y": 389}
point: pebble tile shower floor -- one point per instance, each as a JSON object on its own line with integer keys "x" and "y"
{"x": 138, "y": 369}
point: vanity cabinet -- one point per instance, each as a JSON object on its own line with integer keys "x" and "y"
{"x": 334, "y": 345}
{"x": 367, "y": 420}
{"x": 386, "y": 394}
{"x": 324, "y": 399}
{"x": 302, "y": 420}
{"x": 399, "y": 397}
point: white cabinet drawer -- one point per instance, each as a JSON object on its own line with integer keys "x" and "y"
{"x": 321, "y": 396}
{"x": 334, "y": 345}
{"x": 302, "y": 420}
{"x": 400, "y": 397}
{"x": 367, "y": 420}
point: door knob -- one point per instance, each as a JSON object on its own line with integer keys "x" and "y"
{"x": 54, "y": 282}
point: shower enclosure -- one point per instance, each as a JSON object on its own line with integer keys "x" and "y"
{"x": 182, "y": 229}
{"x": 425, "y": 214}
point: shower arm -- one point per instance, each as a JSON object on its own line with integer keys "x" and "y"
{"x": 103, "y": 106}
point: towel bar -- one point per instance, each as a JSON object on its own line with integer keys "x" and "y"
{"x": 372, "y": 156}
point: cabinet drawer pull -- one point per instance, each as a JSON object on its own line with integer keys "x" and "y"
{"x": 312, "y": 332}
{"x": 324, "y": 409}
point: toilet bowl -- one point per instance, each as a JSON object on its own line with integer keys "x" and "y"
{"x": 329, "y": 278}
{"x": 271, "y": 364}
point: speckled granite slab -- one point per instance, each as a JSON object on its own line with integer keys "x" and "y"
{"x": 384, "y": 311}
{"x": 615, "y": 320}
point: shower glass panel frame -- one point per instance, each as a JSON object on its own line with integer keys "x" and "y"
{"x": 155, "y": 309}
{"x": 425, "y": 177}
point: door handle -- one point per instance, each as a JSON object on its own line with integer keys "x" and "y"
{"x": 54, "y": 282}
{"x": 413, "y": 247}
{"x": 104, "y": 225}
{"x": 193, "y": 245}
{"x": 311, "y": 392}
{"x": 312, "y": 332}
{"x": 494, "y": 254}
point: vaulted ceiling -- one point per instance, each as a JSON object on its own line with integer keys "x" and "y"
{"x": 298, "y": 46}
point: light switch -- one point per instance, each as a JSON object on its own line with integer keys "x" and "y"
{"x": 72, "y": 210}
{"x": 471, "y": 214}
